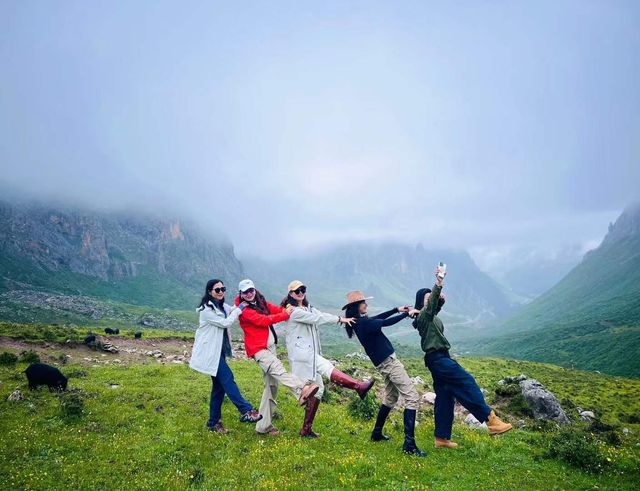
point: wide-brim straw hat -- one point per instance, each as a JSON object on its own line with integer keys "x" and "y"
{"x": 355, "y": 297}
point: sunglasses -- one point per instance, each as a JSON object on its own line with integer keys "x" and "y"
{"x": 298, "y": 291}
{"x": 249, "y": 291}
{"x": 222, "y": 289}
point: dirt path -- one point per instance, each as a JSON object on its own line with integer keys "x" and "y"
{"x": 129, "y": 351}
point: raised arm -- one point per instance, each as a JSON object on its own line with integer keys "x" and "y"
{"x": 312, "y": 316}
{"x": 429, "y": 311}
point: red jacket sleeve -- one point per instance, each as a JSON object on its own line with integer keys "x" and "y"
{"x": 274, "y": 309}
{"x": 261, "y": 320}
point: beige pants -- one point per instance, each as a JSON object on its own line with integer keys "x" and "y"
{"x": 274, "y": 374}
{"x": 396, "y": 382}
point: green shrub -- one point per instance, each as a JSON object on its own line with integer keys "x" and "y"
{"x": 598, "y": 426}
{"x": 327, "y": 396}
{"x": 7, "y": 358}
{"x": 29, "y": 357}
{"x": 629, "y": 418}
{"x": 517, "y": 405}
{"x": 362, "y": 409}
{"x": 71, "y": 404}
{"x": 578, "y": 449}
{"x": 612, "y": 438}
{"x": 544, "y": 426}
{"x": 507, "y": 390}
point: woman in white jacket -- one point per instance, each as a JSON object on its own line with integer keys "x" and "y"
{"x": 210, "y": 349}
{"x": 305, "y": 355}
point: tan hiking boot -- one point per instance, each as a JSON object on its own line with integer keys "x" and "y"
{"x": 496, "y": 425}
{"x": 442, "y": 443}
{"x": 308, "y": 391}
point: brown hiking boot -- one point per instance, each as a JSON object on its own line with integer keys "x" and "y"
{"x": 308, "y": 391}
{"x": 496, "y": 425}
{"x": 443, "y": 443}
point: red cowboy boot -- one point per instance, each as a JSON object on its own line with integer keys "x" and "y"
{"x": 309, "y": 415}
{"x": 343, "y": 380}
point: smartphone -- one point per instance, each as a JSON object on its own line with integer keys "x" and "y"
{"x": 442, "y": 269}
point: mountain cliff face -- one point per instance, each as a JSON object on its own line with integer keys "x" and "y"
{"x": 591, "y": 318}
{"x": 122, "y": 257}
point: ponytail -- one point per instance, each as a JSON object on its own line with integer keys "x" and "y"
{"x": 353, "y": 310}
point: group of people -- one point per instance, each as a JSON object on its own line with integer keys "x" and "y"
{"x": 308, "y": 368}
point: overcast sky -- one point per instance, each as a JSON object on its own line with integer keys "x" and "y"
{"x": 476, "y": 125}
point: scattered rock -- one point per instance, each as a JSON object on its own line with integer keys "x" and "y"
{"x": 459, "y": 409}
{"x": 108, "y": 347}
{"x": 357, "y": 355}
{"x": 114, "y": 386}
{"x": 543, "y": 403}
{"x": 16, "y": 395}
{"x": 417, "y": 380}
{"x": 587, "y": 416}
{"x": 147, "y": 320}
{"x": 626, "y": 431}
{"x": 429, "y": 398}
{"x": 472, "y": 422}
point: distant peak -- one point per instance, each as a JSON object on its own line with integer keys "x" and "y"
{"x": 627, "y": 225}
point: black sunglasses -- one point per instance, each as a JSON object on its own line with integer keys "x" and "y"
{"x": 218, "y": 290}
{"x": 298, "y": 291}
{"x": 249, "y": 291}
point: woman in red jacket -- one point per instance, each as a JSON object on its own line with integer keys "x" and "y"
{"x": 260, "y": 340}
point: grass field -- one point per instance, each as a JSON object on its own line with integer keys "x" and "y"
{"x": 142, "y": 427}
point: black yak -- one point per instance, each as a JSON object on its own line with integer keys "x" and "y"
{"x": 41, "y": 374}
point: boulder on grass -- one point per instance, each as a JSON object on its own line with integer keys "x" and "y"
{"x": 543, "y": 403}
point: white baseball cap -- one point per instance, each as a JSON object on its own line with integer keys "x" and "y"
{"x": 246, "y": 285}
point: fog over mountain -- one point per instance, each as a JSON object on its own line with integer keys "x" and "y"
{"x": 293, "y": 129}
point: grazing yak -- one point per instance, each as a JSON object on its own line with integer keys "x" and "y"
{"x": 91, "y": 338}
{"x": 41, "y": 374}
{"x": 138, "y": 335}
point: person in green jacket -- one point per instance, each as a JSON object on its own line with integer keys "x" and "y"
{"x": 451, "y": 382}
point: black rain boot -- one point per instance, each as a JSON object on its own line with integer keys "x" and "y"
{"x": 377, "y": 434}
{"x": 410, "y": 446}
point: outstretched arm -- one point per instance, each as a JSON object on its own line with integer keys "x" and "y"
{"x": 211, "y": 319}
{"x": 262, "y": 320}
{"x": 312, "y": 316}
{"x": 394, "y": 320}
{"x": 386, "y": 314}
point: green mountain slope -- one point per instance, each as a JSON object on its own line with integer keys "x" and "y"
{"x": 591, "y": 318}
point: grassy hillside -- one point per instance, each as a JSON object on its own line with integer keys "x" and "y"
{"x": 591, "y": 319}
{"x": 148, "y": 287}
{"x": 142, "y": 428}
